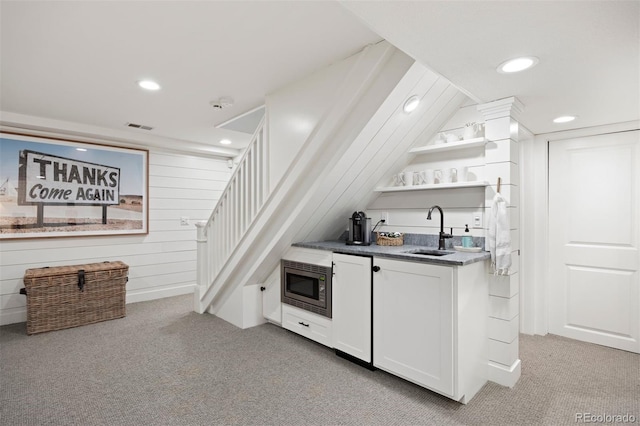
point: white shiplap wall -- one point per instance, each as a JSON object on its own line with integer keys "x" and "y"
{"x": 407, "y": 211}
{"x": 162, "y": 263}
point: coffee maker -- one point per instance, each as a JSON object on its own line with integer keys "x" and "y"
{"x": 359, "y": 230}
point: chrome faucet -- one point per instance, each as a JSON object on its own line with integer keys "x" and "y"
{"x": 442, "y": 233}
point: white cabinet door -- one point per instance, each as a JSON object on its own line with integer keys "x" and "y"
{"x": 351, "y": 287}
{"x": 271, "y": 306}
{"x": 413, "y": 322}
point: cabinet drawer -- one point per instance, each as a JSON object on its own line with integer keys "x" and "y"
{"x": 307, "y": 324}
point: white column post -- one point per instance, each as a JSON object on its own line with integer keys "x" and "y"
{"x": 502, "y": 161}
{"x": 202, "y": 266}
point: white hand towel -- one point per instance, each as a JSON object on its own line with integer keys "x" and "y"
{"x": 499, "y": 238}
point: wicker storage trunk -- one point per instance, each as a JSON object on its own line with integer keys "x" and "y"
{"x": 69, "y": 296}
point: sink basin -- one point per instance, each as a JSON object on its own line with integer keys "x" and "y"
{"x": 429, "y": 252}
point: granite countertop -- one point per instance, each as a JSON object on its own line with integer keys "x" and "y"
{"x": 456, "y": 258}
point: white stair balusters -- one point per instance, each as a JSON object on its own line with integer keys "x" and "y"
{"x": 234, "y": 213}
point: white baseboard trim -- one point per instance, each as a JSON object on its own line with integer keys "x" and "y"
{"x": 15, "y": 315}
{"x": 159, "y": 293}
{"x": 12, "y": 316}
{"x": 504, "y": 375}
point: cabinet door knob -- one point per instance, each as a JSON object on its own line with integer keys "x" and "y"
{"x": 376, "y": 268}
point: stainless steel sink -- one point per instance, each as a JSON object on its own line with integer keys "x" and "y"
{"x": 429, "y": 252}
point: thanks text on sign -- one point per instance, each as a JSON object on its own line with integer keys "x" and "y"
{"x": 49, "y": 179}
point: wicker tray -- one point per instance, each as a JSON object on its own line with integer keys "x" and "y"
{"x": 55, "y": 300}
{"x": 383, "y": 240}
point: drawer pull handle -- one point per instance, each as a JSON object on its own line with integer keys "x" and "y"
{"x": 301, "y": 323}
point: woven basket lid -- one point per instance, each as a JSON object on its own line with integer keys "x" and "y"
{"x": 73, "y": 269}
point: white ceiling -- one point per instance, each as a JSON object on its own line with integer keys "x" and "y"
{"x": 79, "y": 61}
{"x": 589, "y": 52}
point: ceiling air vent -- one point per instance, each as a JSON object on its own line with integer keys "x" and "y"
{"x": 139, "y": 126}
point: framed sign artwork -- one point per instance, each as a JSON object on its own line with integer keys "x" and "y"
{"x": 59, "y": 188}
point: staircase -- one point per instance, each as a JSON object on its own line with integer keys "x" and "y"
{"x": 237, "y": 208}
{"x": 331, "y": 172}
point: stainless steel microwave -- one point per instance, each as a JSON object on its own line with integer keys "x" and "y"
{"x": 306, "y": 286}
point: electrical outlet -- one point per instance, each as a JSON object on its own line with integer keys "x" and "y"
{"x": 477, "y": 220}
{"x": 385, "y": 217}
{"x": 184, "y": 221}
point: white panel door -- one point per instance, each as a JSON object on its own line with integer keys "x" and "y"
{"x": 594, "y": 231}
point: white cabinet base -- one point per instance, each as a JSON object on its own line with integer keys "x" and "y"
{"x": 430, "y": 325}
{"x": 307, "y": 324}
{"x": 413, "y": 323}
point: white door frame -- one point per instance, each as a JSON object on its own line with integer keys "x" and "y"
{"x": 535, "y": 225}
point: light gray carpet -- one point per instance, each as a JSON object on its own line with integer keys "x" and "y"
{"x": 165, "y": 365}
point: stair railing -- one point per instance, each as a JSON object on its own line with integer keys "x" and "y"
{"x": 239, "y": 204}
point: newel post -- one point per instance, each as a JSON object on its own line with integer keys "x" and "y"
{"x": 201, "y": 265}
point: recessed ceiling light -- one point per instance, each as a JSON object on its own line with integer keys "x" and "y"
{"x": 411, "y": 103}
{"x": 564, "y": 119}
{"x": 80, "y": 149}
{"x": 225, "y": 142}
{"x": 517, "y": 64}
{"x": 149, "y": 85}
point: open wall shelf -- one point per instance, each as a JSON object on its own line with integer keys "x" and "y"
{"x": 449, "y": 146}
{"x": 474, "y": 184}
